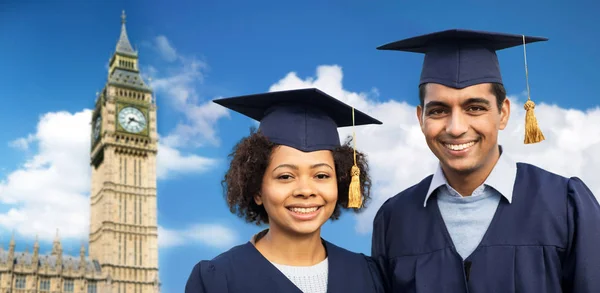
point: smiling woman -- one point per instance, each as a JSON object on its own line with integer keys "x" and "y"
{"x": 294, "y": 175}
{"x": 290, "y": 189}
{"x": 260, "y": 166}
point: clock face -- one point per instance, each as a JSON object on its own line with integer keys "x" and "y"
{"x": 97, "y": 127}
{"x": 132, "y": 120}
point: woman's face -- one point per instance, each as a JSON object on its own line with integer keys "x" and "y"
{"x": 299, "y": 190}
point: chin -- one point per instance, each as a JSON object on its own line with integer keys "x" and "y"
{"x": 305, "y": 229}
{"x": 461, "y": 167}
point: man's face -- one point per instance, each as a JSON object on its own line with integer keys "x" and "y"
{"x": 461, "y": 125}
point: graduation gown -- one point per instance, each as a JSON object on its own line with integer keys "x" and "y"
{"x": 547, "y": 240}
{"x": 244, "y": 269}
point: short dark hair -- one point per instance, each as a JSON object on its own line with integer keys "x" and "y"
{"x": 249, "y": 160}
{"x": 497, "y": 89}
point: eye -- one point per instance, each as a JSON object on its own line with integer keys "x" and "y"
{"x": 322, "y": 176}
{"x": 434, "y": 112}
{"x": 476, "y": 109}
{"x": 284, "y": 177}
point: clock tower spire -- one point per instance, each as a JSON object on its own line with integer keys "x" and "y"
{"x": 123, "y": 224}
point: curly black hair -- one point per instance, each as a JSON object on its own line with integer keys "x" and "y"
{"x": 249, "y": 160}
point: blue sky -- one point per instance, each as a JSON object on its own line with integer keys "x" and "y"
{"x": 54, "y": 58}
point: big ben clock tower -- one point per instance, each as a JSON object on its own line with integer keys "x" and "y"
{"x": 123, "y": 224}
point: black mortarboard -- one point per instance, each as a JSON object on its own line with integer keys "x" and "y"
{"x": 460, "y": 58}
{"x": 305, "y": 119}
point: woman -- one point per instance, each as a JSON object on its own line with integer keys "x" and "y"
{"x": 294, "y": 175}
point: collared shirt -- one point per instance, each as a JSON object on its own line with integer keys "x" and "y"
{"x": 502, "y": 179}
{"x": 468, "y": 217}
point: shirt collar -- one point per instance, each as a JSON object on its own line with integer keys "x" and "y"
{"x": 502, "y": 178}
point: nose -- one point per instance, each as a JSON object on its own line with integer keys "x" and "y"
{"x": 304, "y": 188}
{"x": 457, "y": 125}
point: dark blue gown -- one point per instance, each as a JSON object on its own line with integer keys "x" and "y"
{"x": 243, "y": 269}
{"x": 546, "y": 241}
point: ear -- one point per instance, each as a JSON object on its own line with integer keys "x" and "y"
{"x": 258, "y": 199}
{"x": 504, "y": 113}
{"x": 420, "y": 116}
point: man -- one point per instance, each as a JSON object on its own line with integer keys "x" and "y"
{"x": 482, "y": 223}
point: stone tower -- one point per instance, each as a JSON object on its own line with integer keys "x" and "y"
{"x": 123, "y": 225}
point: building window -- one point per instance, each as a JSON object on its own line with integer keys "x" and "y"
{"x": 119, "y": 248}
{"x": 20, "y": 282}
{"x": 125, "y": 250}
{"x": 141, "y": 252}
{"x": 68, "y": 285}
{"x": 91, "y": 287}
{"x": 44, "y": 284}
{"x": 135, "y": 201}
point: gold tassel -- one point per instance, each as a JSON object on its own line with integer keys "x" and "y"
{"x": 354, "y": 194}
{"x": 533, "y": 133}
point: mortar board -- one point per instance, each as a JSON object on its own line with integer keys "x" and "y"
{"x": 304, "y": 119}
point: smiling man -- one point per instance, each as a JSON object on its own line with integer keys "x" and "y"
{"x": 482, "y": 222}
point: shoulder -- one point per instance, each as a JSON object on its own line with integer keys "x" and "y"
{"x": 342, "y": 253}
{"x": 566, "y": 190}
{"x": 538, "y": 181}
{"x": 351, "y": 259}
{"x": 356, "y": 267}
{"x": 406, "y": 199}
{"x": 211, "y": 275}
{"x": 534, "y": 177}
{"x": 232, "y": 254}
{"x": 234, "y": 258}
{"x": 539, "y": 173}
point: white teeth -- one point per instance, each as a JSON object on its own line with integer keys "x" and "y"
{"x": 459, "y": 147}
{"x": 304, "y": 210}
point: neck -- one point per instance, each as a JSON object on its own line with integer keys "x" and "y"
{"x": 466, "y": 182}
{"x": 295, "y": 250}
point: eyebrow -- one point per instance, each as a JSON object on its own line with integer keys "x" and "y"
{"x": 296, "y": 167}
{"x": 468, "y": 101}
{"x": 477, "y": 101}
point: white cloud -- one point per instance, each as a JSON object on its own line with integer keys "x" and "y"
{"x": 22, "y": 143}
{"x": 214, "y": 235}
{"x": 399, "y": 156}
{"x": 201, "y": 127}
{"x": 51, "y": 190}
{"x": 165, "y": 49}
{"x": 178, "y": 86}
{"x": 170, "y": 161}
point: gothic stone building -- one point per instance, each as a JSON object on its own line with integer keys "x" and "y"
{"x": 123, "y": 239}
